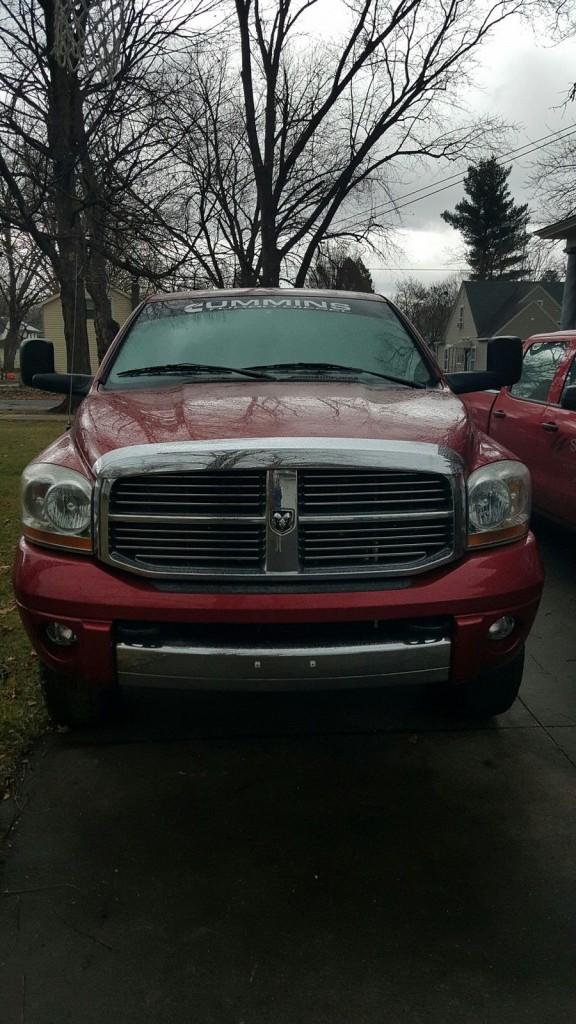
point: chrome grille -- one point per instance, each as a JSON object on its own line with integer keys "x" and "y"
{"x": 190, "y": 545}
{"x": 269, "y": 510}
{"x": 379, "y": 544}
{"x": 373, "y": 517}
{"x": 211, "y": 521}
{"x": 326, "y": 492}
{"x": 204, "y": 493}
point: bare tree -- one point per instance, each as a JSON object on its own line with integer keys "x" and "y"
{"x": 77, "y": 94}
{"x": 545, "y": 260}
{"x": 554, "y": 180}
{"x": 428, "y": 307}
{"x": 297, "y": 150}
{"x": 554, "y": 174}
{"x": 337, "y": 266}
{"x": 25, "y": 279}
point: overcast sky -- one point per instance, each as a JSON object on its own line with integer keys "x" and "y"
{"x": 524, "y": 80}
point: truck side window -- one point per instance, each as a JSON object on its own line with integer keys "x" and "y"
{"x": 539, "y": 367}
{"x": 570, "y": 376}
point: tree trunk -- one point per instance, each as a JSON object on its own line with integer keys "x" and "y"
{"x": 135, "y": 292}
{"x": 11, "y": 343}
{"x": 64, "y": 123}
{"x": 73, "y": 298}
{"x": 104, "y": 324}
{"x": 15, "y": 317}
{"x": 270, "y": 273}
{"x": 245, "y": 278}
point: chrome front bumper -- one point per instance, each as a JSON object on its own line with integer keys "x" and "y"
{"x": 194, "y": 667}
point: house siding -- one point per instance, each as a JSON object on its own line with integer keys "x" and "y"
{"x": 460, "y": 338}
{"x": 532, "y": 320}
{"x": 549, "y": 306}
{"x": 53, "y": 330}
{"x": 536, "y": 312}
{"x": 53, "y": 327}
{"x": 454, "y": 332}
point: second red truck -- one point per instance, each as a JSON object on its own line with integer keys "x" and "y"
{"x": 536, "y": 419}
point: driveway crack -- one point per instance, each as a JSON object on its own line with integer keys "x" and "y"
{"x": 548, "y": 733}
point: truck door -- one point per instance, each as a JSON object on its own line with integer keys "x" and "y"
{"x": 519, "y": 411}
{"x": 479, "y": 405}
{"x": 558, "y": 428}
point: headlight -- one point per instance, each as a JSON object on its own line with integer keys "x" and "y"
{"x": 57, "y": 507}
{"x": 499, "y": 499}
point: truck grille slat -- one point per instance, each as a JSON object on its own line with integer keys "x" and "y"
{"x": 376, "y": 558}
{"x": 191, "y": 547}
{"x": 179, "y": 538}
{"x": 210, "y": 493}
{"x": 359, "y": 486}
{"x": 189, "y": 544}
{"x": 325, "y": 492}
{"x": 219, "y": 523}
{"x": 376, "y": 543}
{"x": 315, "y": 503}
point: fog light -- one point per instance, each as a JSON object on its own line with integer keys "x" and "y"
{"x": 502, "y": 628}
{"x": 60, "y": 634}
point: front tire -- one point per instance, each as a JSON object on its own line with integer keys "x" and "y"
{"x": 494, "y": 691}
{"x": 72, "y": 703}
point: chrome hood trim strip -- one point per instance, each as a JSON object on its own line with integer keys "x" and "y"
{"x": 275, "y": 452}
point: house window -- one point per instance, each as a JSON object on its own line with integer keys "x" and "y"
{"x": 460, "y": 322}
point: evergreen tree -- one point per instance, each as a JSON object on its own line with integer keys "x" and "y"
{"x": 493, "y": 227}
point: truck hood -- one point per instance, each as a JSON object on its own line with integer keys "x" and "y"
{"x": 108, "y": 420}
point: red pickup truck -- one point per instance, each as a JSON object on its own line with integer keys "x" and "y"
{"x": 274, "y": 489}
{"x": 536, "y": 419}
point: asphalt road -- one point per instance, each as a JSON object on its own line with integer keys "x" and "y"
{"x": 346, "y": 860}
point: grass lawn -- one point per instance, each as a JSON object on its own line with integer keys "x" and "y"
{"x": 22, "y": 715}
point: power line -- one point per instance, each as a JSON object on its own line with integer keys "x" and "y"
{"x": 458, "y": 178}
{"x": 390, "y": 206}
{"x": 552, "y": 136}
{"x": 434, "y": 270}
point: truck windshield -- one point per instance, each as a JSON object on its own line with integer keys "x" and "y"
{"x": 282, "y": 337}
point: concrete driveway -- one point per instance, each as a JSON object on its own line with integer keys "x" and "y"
{"x": 343, "y": 860}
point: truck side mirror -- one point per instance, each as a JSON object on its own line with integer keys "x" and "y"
{"x": 568, "y": 400}
{"x": 36, "y": 356}
{"x": 503, "y": 367}
{"x": 37, "y": 370}
{"x": 504, "y": 357}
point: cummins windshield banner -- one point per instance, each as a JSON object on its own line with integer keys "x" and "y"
{"x": 211, "y": 305}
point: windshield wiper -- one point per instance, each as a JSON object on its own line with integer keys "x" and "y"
{"x": 322, "y": 367}
{"x": 172, "y": 369}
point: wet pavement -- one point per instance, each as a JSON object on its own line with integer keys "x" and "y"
{"x": 348, "y": 859}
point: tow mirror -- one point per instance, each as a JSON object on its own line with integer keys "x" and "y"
{"x": 37, "y": 370}
{"x": 36, "y": 356}
{"x": 503, "y": 367}
{"x": 568, "y": 400}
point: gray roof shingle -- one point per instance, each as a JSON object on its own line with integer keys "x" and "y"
{"x": 493, "y": 303}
